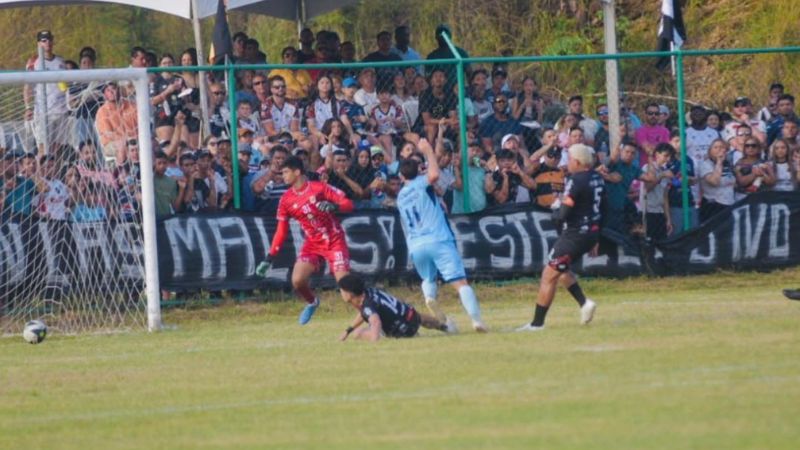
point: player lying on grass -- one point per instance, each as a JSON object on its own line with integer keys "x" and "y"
{"x": 578, "y": 219}
{"x": 430, "y": 240}
{"x": 792, "y": 294}
{"x": 312, "y": 203}
{"x": 383, "y": 313}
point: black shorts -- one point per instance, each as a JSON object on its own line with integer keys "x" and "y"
{"x": 410, "y": 327}
{"x": 570, "y": 246}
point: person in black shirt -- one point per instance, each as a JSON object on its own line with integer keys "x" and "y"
{"x": 577, "y": 217}
{"x": 383, "y": 313}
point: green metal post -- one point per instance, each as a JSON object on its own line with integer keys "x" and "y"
{"x": 234, "y": 131}
{"x": 682, "y": 128}
{"x": 462, "y": 122}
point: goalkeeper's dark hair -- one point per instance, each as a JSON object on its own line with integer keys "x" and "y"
{"x": 352, "y": 283}
{"x": 293, "y": 163}
{"x": 409, "y": 168}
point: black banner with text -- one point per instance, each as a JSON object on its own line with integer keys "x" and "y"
{"x": 222, "y": 251}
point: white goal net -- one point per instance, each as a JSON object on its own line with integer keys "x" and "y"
{"x": 72, "y": 212}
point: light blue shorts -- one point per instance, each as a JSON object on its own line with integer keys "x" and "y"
{"x": 443, "y": 258}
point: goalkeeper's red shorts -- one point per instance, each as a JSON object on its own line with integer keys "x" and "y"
{"x": 335, "y": 252}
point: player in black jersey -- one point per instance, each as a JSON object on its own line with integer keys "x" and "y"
{"x": 578, "y": 220}
{"x": 383, "y": 313}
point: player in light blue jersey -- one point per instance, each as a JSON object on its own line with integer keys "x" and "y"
{"x": 430, "y": 240}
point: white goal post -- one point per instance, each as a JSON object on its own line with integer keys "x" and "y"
{"x": 145, "y": 231}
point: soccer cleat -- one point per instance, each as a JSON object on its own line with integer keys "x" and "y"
{"x": 479, "y": 327}
{"x": 587, "y": 311}
{"x": 529, "y": 327}
{"x": 308, "y": 312}
{"x": 451, "y": 326}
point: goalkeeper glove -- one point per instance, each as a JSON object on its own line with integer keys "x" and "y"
{"x": 326, "y": 206}
{"x": 263, "y": 266}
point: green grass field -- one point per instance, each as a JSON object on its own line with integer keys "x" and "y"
{"x": 703, "y": 362}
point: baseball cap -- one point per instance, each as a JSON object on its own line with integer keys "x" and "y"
{"x": 245, "y": 149}
{"x": 349, "y": 82}
{"x": 663, "y": 109}
{"x": 375, "y": 150}
{"x": 298, "y": 151}
{"x": 499, "y": 71}
{"x": 741, "y": 101}
{"x": 44, "y": 34}
{"x": 507, "y": 138}
{"x": 364, "y": 144}
{"x": 244, "y": 131}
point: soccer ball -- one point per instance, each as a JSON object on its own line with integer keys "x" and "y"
{"x": 35, "y": 331}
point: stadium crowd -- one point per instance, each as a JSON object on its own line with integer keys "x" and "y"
{"x": 353, "y": 127}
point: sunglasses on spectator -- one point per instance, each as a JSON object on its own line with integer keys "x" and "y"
{"x": 652, "y": 113}
{"x": 133, "y": 142}
{"x": 500, "y": 100}
{"x": 602, "y": 112}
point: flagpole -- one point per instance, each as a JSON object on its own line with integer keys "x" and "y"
{"x": 672, "y": 59}
{"x": 612, "y": 76}
{"x": 201, "y": 76}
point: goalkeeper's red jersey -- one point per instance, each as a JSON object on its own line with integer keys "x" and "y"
{"x": 321, "y": 228}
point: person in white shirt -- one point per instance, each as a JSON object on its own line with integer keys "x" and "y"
{"x": 46, "y": 118}
{"x": 717, "y": 181}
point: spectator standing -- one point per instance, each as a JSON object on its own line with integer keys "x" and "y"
{"x": 306, "y": 52}
{"x": 784, "y": 112}
{"x": 402, "y": 46}
{"x": 743, "y": 115}
{"x": 752, "y": 173}
{"x": 657, "y": 179}
{"x": 784, "y": 166}
{"x": 699, "y": 138}
{"x": 442, "y": 51}
{"x": 717, "y": 181}
{"x": 622, "y": 171}
{"x": 55, "y": 99}
{"x": 649, "y": 135}
{"x": 83, "y": 100}
{"x": 220, "y": 115}
{"x": 268, "y": 184}
{"x": 384, "y": 54}
{"x": 169, "y": 193}
{"x": 499, "y": 85}
{"x": 53, "y": 202}
{"x": 475, "y": 175}
{"x": 676, "y": 190}
{"x": 602, "y": 139}
{"x": 768, "y": 111}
